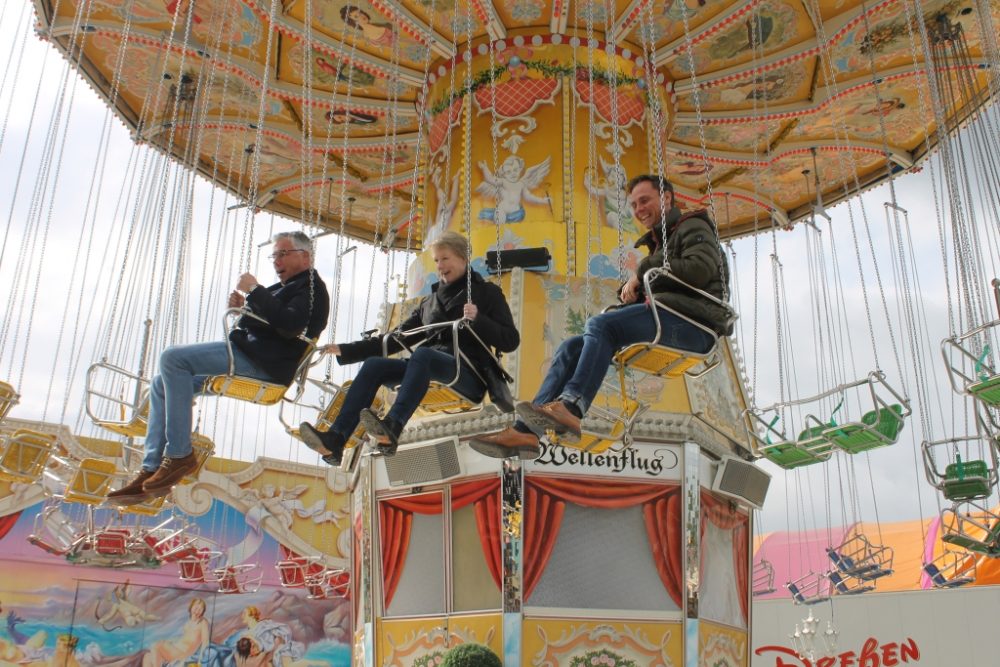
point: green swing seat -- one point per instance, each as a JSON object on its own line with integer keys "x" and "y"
{"x": 987, "y": 391}
{"x": 966, "y": 480}
{"x": 877, "y": 428}
{"x": 790, "y": 455}
{"x": 988, "y": 546}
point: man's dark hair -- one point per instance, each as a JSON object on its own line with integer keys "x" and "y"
{"x": 658, "y": 183}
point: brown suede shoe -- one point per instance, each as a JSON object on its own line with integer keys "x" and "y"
{"x": 506, "y": 444}
{"x": 132, "y": 493}
{"x": 554, "y": 416}
{"x": 169, "y": 473}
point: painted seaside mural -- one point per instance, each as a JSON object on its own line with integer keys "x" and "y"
{"x": 56, "y": 614}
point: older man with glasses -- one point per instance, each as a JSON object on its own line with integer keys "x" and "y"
{"x": 298, "y": 304}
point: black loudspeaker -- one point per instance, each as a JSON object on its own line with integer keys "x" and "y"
{"x": 743, "y": 482}
{"x": 529, "y": 259}
{"x": 424, "y": 463}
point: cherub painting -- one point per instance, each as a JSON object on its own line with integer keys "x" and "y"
{"x": 511, "y": 187}
{"x": 120, "y": 607}
{"x": 447, "y": 201}
{"x": 611, "y": 193}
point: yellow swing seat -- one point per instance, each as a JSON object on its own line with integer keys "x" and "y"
{"x": 24, "y": 455}
{"x": 253, "y": 390}
{"x": 90, "y": 481}
{"x": 8, "y": 398}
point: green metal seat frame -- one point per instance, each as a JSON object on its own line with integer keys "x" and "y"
{"x": 960, "y": 480}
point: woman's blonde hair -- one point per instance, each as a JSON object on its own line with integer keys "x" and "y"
{"x": 454, "y": 242}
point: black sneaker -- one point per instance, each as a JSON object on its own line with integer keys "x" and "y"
{"x": 385, "y": 431}
{"x": 329, "y": 445}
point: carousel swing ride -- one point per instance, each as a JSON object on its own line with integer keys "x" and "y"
{"x": 517, "y": 123}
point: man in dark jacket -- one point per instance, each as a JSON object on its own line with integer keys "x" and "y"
{"x": 434, "y": 359}
{"x": 581, "y": 362}
{"x": 298, "y": 304}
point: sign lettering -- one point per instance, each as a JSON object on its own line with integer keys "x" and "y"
{"x": 872, "y": 654}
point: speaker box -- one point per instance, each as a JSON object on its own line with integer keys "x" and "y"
{"x": 423, "y": 463}
{"x": 741, "y": 481}
{"x": 529, "y": 259}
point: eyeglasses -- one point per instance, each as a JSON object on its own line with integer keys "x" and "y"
{"x": 279, "y": 254}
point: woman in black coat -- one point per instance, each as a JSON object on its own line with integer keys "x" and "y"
{"x": 490, "y": 318}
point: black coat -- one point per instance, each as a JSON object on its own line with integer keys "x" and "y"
{"x": 494, "y": 324}
{"x": 695, "y": 257}
{"x": 291, "y": 308}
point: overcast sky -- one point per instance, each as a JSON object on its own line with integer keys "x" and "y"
{"x": 65, "y": 275}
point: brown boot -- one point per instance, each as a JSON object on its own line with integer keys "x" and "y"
{"x": 170, "y": 472}
{"x": 554, "y": 416}
{"x": 132, "y": 493}
{"x": 507, "y": 443}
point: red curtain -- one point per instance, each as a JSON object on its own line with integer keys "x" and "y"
{"x": 719, "y": 513}
{"x": 545, "y": 499}
{"x": 396, "y": 520}
{"x": 7, "y": 522}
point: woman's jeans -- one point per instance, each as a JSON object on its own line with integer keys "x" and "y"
{"x": 581, "y": 362}
{"x": 413, "y": 376}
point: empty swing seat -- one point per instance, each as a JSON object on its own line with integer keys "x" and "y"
{"x": 806, "y": 595}
{"x": 951, "y": 570}
{"x": 134, "y": 427}
{"x": 295, "y": 571}
{"x": 90, "y": 481}
{"x": 877, "y": 428}
{"x": 966, "y": 480}
{"x": 238, "y": 578}
{"x": 24, "y": 455}
{"x": 194, "y": 567}
{"x": 8, "y": 399}
{"x": 762, "y": 578}
{"x": 789, "y": 455}
{"x": 112, "y": 542}
{"x": 973, "y": 528}
{"x": 987, "y": 391}
{"x": 844, "y": 585}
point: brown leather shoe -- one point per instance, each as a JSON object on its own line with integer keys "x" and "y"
{"x": 132, "y": 493}
{"x": 554, "y": 416}
{"x": 169, "y": 473}
{"x": 506, "y": 444}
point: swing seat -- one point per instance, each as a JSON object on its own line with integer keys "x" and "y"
{"x": 8, "y": 398}
{"x": 987, "y": 391}
{"x": 618, "y": 435}
{"x": 858, "y": 558}
{"x": 245, "y": 389}
{"x": 90, "y": 482}
{"x": 877, "y": 428}
{"x": 194, "y": 567}
{"x": 966, "y": 480}
{"x": 239, "y": 578}
{"x": 133, "y": 428}
{"x": 951, "y": 570}
{"x": 938, "y": 579}
{"x": 47, "y": 546}
{"x": 328, "y": 583}
{"x": 293, "y": 572}
{"x": 808, "y": 590}
{"x": 150, "y": 507}
{"x": 332, "y": 410}
{"x": 789, "y": 455}
{"x": 763, "y": 578}
{"x": 24, "y": 456}
{"x": 112, "y": 542}
{"x": 658, "y": 360}
{"x": 843, "y": 585}
{"x": 973, "y": 528}
{"x": 442, "y": 398}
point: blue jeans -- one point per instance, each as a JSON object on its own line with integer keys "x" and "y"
{"x": 581, "y": 362}
{"x": 413, "y": 376}
{"x": 183, "y": 370}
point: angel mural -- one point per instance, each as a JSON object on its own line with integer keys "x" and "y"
{"x": 611, "y": 193}
{"x": 510, "y": 187}
{"x": 447, "y": 201}
{"x": 119, "y": 606}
